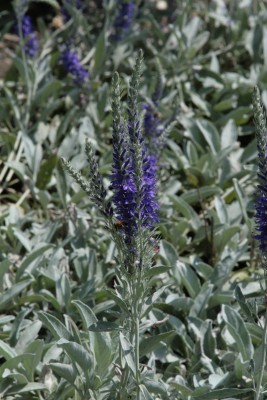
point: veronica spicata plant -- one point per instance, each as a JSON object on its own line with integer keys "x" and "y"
{"x": 130, "y": 217}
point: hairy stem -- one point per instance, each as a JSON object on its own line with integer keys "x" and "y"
{"x": 136, "y": 323}
{"x": 258, "y": 394}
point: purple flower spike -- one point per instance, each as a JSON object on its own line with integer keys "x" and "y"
{"x": 261, "y": 204}
{"x": 124, "y": 19}
{"x": 134, "y": 170}
{"x": 72, "y": 64}
{"x": 123, "y": 185}
{"x": 261, "y": 221}
{"x": 133, "y": 179}
{"x": 29, "y": 36}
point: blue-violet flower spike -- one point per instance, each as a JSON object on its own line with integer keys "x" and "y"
{"x": 122, "y": 179}
{"x": 261, "y": 201}
{"x": 124, "y": 19}
{"x": 134, "y": 171}
{"x": 72, "y": 64}
{"x": 29, "y": 36}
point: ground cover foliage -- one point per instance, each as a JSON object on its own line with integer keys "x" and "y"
{"x": 201, "y": 334}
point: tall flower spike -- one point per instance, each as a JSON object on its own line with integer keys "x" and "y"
{"x": 144, "y": 164}
{"x": 134, "y": 171}
{"x": 123, "y": 184}
{"x": 134, "y": 126}
{"x": 77, "y": 177}
{"x": 28, "y": 35}
{"x": 99, "y": 193}
{"x": 134, "y": 174}
{"x": 72, "y": 64}
{"x": 261, "y": 202}
{"x": 94, "y": 188}
{"x": 124, "y": 19}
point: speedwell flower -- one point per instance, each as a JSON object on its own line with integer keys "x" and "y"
{"x": 261, "y": 201}
{"x": 72, "y": 64}
{"x": 29, "y": 36}
{"x": 124, "y": 18}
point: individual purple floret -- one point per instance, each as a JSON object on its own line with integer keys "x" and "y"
{"x": 72, "y": 64}
{"x": 124, "y": 19}
{"x": 29, "y": 36}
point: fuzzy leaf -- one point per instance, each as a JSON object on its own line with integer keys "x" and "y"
{"x": 151, "y": 343}
{"x": 145, "y": 393}
{"x": 103, "y": 326}
{"x": 201, "y": 301}
{"x": 211, "y": 134}
{"x": 87, "y": 315}
{"x": 4, "y": 266}
{"x": 243, "y": 304}
{"x": 221, "y": 394}
{"x": 127, "y": 352}
{"x": 120, "y": 303}
{"x": 55, "y": 326}
{"x": 10, "y": 294}
{"x": 65, "y": 371}
{"x": 6, "y": 351}
{"x": 29, "y": 387}
{"x": 30, "y": 258}
{"x": 238, "y": 330}
{"x": 78, "y": 354}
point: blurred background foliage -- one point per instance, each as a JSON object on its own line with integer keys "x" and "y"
{"x": 54, "y": 248}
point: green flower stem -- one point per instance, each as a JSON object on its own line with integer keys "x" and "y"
{"x": 136, "y": 322}
{"x": 258, "y": 394}
{"x": 136, "y": 354}
{"x": 132, "y": 294}
{"x": 125, "y": 374}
